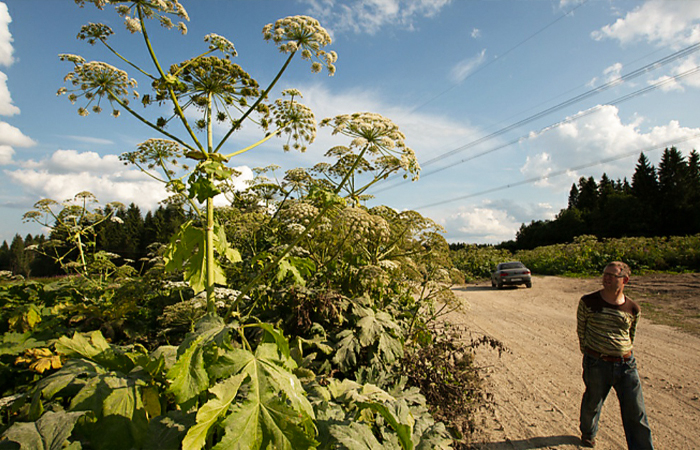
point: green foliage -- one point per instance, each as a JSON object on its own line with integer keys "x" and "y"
{"x": 588, "y": 255}
{"x": 50, "y": 432}
{"x": 477, "y": 262}
{"x": 306, "y": 352}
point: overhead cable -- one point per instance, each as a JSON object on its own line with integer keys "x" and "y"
{"x": 564, "y": 171}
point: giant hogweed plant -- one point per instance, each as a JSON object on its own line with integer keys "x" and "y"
{"x": 229, "y": 384}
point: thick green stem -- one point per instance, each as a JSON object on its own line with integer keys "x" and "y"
{"x": 211, "y": 308}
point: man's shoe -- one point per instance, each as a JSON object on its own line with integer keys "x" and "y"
{"x": 587, "y": 442}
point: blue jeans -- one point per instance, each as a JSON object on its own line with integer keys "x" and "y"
{"x": 599, "y": 376}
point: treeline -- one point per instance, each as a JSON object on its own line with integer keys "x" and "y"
{"x": 663, "y": 201}
{"x": 128, "y": 235}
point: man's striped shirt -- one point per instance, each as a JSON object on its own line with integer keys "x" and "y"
{"x": 605, "y": 328}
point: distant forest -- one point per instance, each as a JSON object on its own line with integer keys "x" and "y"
{"x": 129, "y": 237}
{"x": 663, "y": 201}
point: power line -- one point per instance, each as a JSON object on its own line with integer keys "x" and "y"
{"x": 636, "y": 73}
{"x": 571, "y": 119}
{"x": 563, "y": 171}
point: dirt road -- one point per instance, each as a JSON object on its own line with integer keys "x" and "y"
{"x": 537, "y": 387}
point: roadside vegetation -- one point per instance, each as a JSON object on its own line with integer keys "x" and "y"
{"x": 292, "y": 318}
{"x": 586, "y": 256}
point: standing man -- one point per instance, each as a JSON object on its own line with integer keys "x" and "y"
{"x": 607, "y": 322}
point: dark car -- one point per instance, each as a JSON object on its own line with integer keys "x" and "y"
{"x": 511, "y": 274}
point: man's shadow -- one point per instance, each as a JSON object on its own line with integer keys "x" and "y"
{"x": 532, "y": 443}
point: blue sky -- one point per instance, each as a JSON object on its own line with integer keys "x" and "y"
{"x": 489, "y": 93}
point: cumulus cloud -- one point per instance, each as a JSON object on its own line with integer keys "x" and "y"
{"x": 6, "y": 49}
{"x": 667, "y": 24}
{"x": 12, "y": 136}
{"x": 596, "y": 135}
{"x": 6, "y": 154}
{"x": 6, "y": 106}
{"x": 491, "y": 222}
{"x": 67, "y": 172}
{"x": 462, "y": 69}
{"x": 370, "y": 16}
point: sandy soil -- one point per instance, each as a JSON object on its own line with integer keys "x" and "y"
{"x": 536, "y": 388}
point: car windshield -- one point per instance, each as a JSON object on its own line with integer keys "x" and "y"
{"x": 515, "y": 265}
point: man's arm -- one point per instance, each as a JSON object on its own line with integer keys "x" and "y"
{"x": 581, "y": 320}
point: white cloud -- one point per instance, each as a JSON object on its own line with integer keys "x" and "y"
{"x": 90, "y": 140}
{"x": 6, "y": 154}
{"x": 369, "y": 16}
{"x": 71, "y": 161}
{"x": 44, "y": 184}
{"x": 480, "y": 224}
{"x": 596, "y": 135}
{"x": 6, "y": 48}
{"x": 6, "y": 106}
{"x": 672, "y": 24}
{"x": 476, "y": 33}
{"x": 463, "y": 68}
{"x": 67, "y": 172}
{"x": 10, "y": 135}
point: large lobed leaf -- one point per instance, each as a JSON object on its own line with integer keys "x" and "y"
{"x": 188, "y": 375}
{"x": 224, "y": 394}
{"x": 274, "y": 411}
{"x": 50, "y": 432}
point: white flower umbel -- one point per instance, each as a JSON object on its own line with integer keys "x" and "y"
{"x": 305, "y": 34}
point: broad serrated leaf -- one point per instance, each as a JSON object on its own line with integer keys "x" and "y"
{"x": 346, "y": 350}
{"x": 70, "y": 378}
{"x": 96, "y": 348}
{"x": 188, "y": 375}
{"x": 285, "y": 268}
{"x": 15, "y": 343}
{"x": 282, "y": 379}
{"x": 435, "y": 438}
{"x": 224, "y": 394}
{"x": 280, "y": 340}
{"x": 390, "y": 347}
{"x": 370, "y": 328}
{"x": 263, "y": 425}
{"x": 92, "y": 395}
{"x": 355, "y": 436}
{"x": 50, "y": 432}
{"x": 222, "y": 245}
{"x": 275, "y": 410}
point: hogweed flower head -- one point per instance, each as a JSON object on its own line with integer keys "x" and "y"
{"x": 94, "y": 32}
{"x": 380, "y": 137}
{"x": 295, "y": 120}
{"x": 94, "y": 81}
{"x": 305, "y": 34}
{"x": 162, "y": 153}
{"x": 209, "y": 77}
{"x": 217, "y": 42}
{"x": 134, "y": 10}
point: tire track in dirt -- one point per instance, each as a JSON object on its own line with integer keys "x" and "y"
{"x": 537, "y": 387}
